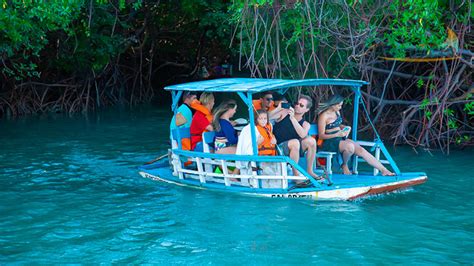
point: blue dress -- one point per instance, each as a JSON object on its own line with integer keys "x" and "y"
{"x": 226, "y": 137}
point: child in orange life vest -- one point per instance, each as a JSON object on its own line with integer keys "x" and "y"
{"x": 266, "y": 141}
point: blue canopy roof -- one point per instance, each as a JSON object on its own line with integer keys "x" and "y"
{"x": 255, "y": 85}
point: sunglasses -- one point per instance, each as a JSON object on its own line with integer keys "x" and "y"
{"x": 301, "y": 105}
{"x": 268, "y": 99}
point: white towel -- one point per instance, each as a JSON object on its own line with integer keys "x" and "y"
{"x": 244, "y": 147}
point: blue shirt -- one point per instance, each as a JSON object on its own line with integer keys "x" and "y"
{"x": 188, "y": 115}
{"x": 227, "y": 131}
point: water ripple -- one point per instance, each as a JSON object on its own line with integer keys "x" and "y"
{"x": 70, "y": 194}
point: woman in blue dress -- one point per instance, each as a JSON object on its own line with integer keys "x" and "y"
{"x": 226, "y": 135}
{"x": 335, "y": 136}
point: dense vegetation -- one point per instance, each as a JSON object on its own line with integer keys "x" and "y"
{"x": 69, "y": 56}
{"x": 415, "y": 53}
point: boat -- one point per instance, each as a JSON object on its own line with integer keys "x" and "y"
{"x": 198, "y": 169}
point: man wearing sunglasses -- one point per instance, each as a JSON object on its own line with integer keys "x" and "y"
{"x": 267, "y": 103}
{"x": 291, "y": 132}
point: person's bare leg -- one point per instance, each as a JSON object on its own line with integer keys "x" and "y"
{"x": 347, "y": 150}
{"x": 227, "y": 150}
{"x": 370, "y": 159}
{"x": 230, "y": 150}
{"x": 294, "y": 147}
{"x": 309, "y": 145}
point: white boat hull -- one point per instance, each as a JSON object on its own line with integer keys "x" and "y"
{"x": 335, "y": 193}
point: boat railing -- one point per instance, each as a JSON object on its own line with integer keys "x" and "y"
{"x": 253, "y": 177}
{"x": 377, "y": 147}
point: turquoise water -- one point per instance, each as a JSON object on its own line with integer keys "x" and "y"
{"x": 69, "y": 193}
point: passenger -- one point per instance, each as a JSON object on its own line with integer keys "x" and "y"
{"x": 291, "y": 132}
{"x": 226, "y": 136}
{"x": 201, "y": 120}
{"x": 183, "y": 117}
{"x": 266, "y": 141}
{"x": 267, "y": 104}
{"x": 334, "y": 135}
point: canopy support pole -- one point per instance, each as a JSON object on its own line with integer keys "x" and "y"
{"x": 355, "y": 121}
{"x": 175, "y": 95}
{"x": 247, "y": 98}
{"x": 388, "y": 157}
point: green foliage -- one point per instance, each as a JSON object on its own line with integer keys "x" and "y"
{"x": 419, "y": 83}
{"x": 91, "y": 45}
{"x": 25, "y": 26}
{"x": 74, "y": 35}
{"x": 469, "y": 108}
{"x": 191, "y": 27}
{"x": 463, "y": 139}
{"x": 449, "y": 112}
{"x": 415, "y": 24}
{"x": 424, "y": 106}
{"x": 348, "y": 101}
{"x": 452, "y": 124}
{"x": 428, "y": 114}
{"x": 412, "y": 26}
{"x": 297, "y": 35}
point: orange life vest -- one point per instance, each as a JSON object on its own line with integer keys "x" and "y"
{"x": 257, "y": 105}
{"x": 196, "y": 105}
{"x": 266, "y": 147}
{"x": 186, "y": 144}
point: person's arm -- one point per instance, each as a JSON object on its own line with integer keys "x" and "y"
{"x": 341, "y": 126}
{"x": 180, "y": 119}
{"x": 229, "y": 132}
{"x": 302, "y": 131}
{"x": 209, "y": 127}
{"x": 322, "y": 129}
{"x": 275, "y": 113}
{"x": 274, "y": 140}
{"x": 346, "y": 132}
{"x": 281, "y": 115}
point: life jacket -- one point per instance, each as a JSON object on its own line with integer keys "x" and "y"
{"x": 196, "y": 138}
{"x": 186, "y": 144}
{"x": 196, "y": 105}
{"x": 257, "y": 105}
{"x": 266, "y": 147}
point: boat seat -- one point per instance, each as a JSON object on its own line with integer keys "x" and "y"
{"x": 208, "y": 146}
{"x": 208, "y": 141}
{"x": 313, "y": 132}
{"x": 177, "y": 135}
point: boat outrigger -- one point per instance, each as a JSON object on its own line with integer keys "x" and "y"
{"x": 175, "y": 168}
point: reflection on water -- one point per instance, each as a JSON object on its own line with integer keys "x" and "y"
{"x": 70, "y": 192}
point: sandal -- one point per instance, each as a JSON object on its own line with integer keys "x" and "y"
{"x": 304, "y": 184}
{"x": 327, "y": 177}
